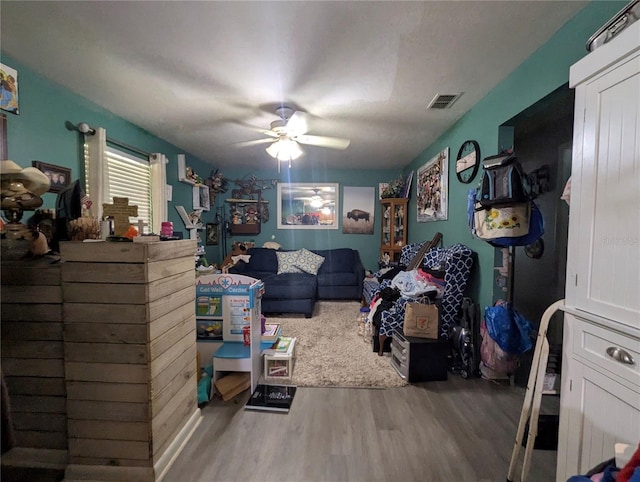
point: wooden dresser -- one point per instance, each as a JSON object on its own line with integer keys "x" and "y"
{"x": 130, "y": 356}
{"x": 33, "y": 364}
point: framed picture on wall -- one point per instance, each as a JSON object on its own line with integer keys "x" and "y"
{"x": 433, "y": 187}
{"x": 213, "y": 234}
{"x": 59, "y": 176}
{"x": 358, "y": 208}
{"x": 9, "y": 89}
{"x": 308, "y": 206}
{"x": 3, "y": 137}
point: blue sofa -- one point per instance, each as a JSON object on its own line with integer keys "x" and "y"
{"x": 339, "y": 277}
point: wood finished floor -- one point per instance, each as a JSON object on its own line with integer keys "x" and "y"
{"x": 454, "y": 431}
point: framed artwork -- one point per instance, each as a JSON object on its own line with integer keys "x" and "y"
{"x": 9, "y": 89}
{"x": 308, "y": 206}
{"x": 4, "y": 154}
{"x": 358, "y": 208}
{"x": 406, "y": 186}
{"x": 213, "y": 234}
{"x": 59, "y": 176}
{"x": 433, "y": 187}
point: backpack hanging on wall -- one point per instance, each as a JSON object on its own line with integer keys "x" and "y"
{"x": 503, "y": 181}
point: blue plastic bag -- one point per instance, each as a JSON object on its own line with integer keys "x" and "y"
{"x": 508, "y": 328}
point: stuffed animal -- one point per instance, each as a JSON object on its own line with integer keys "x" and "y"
{"x": 236, "y": 217}
{"x": 238, "y": 252}
{"x": 252, "y": 216}
{"x": 271, "y": 245}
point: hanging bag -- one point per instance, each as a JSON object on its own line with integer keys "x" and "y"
{"x": 510, "y": 221}
{"x": 536, "y": 230}
{"x": 503, "y": 181}
{"x": 421, "y": 320}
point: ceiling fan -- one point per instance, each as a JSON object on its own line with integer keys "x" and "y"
{"x": 288, "y": 132}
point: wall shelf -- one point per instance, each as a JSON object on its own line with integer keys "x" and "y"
{"x": 245, "y": 215}
{"x": 182, "y": 171}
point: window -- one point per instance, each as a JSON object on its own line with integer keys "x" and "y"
{"x": 130, "y": 177}
{"x": 113, "y": 172}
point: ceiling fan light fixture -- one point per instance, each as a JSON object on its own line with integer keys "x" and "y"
{"x": 285, "y": 150}
{"x": 316, "y": 202}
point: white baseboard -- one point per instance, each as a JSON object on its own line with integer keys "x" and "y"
{"x": 161, "y": 467}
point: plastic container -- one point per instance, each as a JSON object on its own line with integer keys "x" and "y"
{"x": 362, "y": 319}
{"x": 166, "y": 229}
{"x": 363, "y": 314}
{"x": 246, "y": 335}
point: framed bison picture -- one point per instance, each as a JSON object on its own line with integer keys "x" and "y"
{"x": 358, "y": 208}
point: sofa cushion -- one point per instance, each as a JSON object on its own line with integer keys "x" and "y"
{"x": 338, "y": 260}
{"x": 337, "y": 279}
{"x": 309, "y": 262}
{"x": 287, "y": 262}
{"x": 261, "y": 275}
{"x": 291, "y": 286}
{"x": 262, "y": 259}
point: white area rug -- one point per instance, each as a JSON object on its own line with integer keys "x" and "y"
{"x": 329, "y": 352}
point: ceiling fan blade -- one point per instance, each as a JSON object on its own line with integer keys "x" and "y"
{"x": 323, "y": 141}
{"x": 297, "y": 124}
{"x": 254, "y": 142}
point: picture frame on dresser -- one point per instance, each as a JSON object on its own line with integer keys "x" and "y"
{"x": 59, "y": 176}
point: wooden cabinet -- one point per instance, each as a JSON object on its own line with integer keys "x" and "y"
{"x": 394, "y": 227}
{"x": 600, "y": 401}
{"x": 33, "y": 358}
{"x": 129, "y": 357}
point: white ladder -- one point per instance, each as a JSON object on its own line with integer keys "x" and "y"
{"x": 533, "y": 396}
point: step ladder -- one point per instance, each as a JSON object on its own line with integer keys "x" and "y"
{"x": 533, "y": 397}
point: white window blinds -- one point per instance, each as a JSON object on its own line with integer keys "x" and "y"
{"x": 112, "y": 172}
{"x": 130, "y": 176}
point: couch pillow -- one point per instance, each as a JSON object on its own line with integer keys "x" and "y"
{"x": 287, "y": 261}
{"x": 309, "y": 262}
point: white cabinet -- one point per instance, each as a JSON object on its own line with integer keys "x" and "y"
{"x": 600, "y": 398}
{"x": 600, "y": 401}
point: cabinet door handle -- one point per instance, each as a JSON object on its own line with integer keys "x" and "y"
{"x": 618, "y": 354}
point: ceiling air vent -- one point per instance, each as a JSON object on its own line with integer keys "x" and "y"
{"x": 443, "y": 101}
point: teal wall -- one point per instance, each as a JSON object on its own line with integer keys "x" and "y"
{"x": 367, "y": 245}
{"x": 543, "y": 72}
{"x": 39, "y": 133}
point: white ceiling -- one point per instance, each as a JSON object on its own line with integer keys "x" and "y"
{"x": 204, "y": 75}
